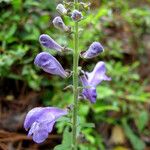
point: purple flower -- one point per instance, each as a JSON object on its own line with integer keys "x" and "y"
{"x": 50, "y": 64}
{"x": 61, "y": 9}
{"x": 48, "y": 42}
{"x": 76, "y": 15}
{"x": 59, "y": 24}
{"x": 92, "y": 79}
{"x": 88, "y": 92}
{"x": 95, "y": 49}
{"x": 40, "y": 121}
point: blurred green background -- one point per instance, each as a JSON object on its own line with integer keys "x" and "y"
{"x": 122, "y": 112}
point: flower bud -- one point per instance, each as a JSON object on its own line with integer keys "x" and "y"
{"x": 76, "y": 15}
{"x": 94, "y": 50}
{"x": 61, "y": 9}
{"x": 59, "y": 24}
{"x": 85, "y": 6}
{"x": 50, "y": 64}
{"x": 48, "y": 42}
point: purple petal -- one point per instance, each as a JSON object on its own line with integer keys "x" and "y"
{"x": 32, "y": 116}
{"x": 41, "y": 121}
{"x": 49, "y": 127}
{"x": 88, "y": 92}
{"x": 94, "y": 50}
{"x": 40, "y": 131}
{"x": 50, "y": 64}
{"x": 84, "y": 81}
{"x": 51, "y": 114}
{"x": 57, "y": 112}
{"x": 98, "y": 74}
{"x": 33, "y": 128}
{"x": 43, "y": 114}
{"x": 48, "y": 42}
{"x": 40, "y": 136}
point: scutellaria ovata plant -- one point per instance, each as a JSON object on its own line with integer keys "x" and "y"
{"x": 40, "y": 120}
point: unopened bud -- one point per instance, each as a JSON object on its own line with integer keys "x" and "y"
{"x": 59, "y": 24}
{"x": 76, "y": 15}
{"x": 61, "y": 9}
{"x": 85, "y": 6}
{"x": 46, "y": 41}
{"x": 94, "y": 50}
{"x": 50, "y": 64}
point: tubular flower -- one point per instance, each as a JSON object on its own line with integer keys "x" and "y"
{"x": 59, "y": 24}
{"x": 94, "y": 50}
{"x": 50, "y": 64}
{"x": 61, "y": 9}
{"x": 40, "y": 121}
{"x": 48, "y": 42}
{"x": 92, "y": 79}
{"x": 76, "y": 15}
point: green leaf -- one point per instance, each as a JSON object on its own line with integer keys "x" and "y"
{"x": 104, "y": 92}
{"x": 83, "y": 109}
{"x": 60, "y": 147}
{"x": 87, "y": 125}
{"x": 136, "y": 142}
{"x": 141, "y": 97}
{"x": 85, "y": 147}
{"x": 104, "y": 108}
{"x": 142, "y": 120}
{"x": 17, "y": 4}
{"x": 64, "y": 119}
{"x": 11, "y": 32}
{"x": 67, "y": 137}
{"x": 67, "y": 141}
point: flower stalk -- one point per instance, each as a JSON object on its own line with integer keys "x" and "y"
{"x": 75, "y": 81}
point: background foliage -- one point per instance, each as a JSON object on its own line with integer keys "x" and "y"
{"x": 121, "y": 113}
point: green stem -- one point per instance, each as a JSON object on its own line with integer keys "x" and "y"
{"x": 75, "y": 82}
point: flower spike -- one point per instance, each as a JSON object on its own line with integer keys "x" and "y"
{"x": 40, "y": 121}
{"x": 94, "y": 50}
{"x": 59, "y": 24}
{"x": 92, "y": 79}
{"x": 48, "y": 42}
{"x": 50, "y": 64}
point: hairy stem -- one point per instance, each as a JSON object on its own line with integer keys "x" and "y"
{"x": 75, "y": 82}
